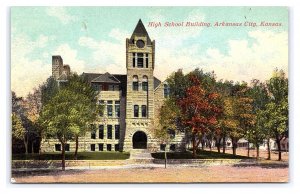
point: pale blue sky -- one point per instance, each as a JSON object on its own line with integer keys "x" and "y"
{"x": 92, "y": 39}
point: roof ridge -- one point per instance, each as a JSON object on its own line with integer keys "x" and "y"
{"x": 98, "y": 79}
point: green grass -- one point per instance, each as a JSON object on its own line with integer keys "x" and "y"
{"x": 70, "y": 156}
{"x": 201, "y": 154}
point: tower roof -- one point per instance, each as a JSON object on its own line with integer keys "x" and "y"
{"x": 140, "y": 30}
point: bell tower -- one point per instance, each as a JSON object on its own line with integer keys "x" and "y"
{"x": 140, "y": 55}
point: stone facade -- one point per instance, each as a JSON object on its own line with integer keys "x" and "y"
{"x": 131, "y": 102}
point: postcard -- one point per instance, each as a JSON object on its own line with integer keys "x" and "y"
{"x": 149, "y": 95}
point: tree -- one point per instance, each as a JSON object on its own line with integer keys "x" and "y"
{"x": 33, "y": 107}
{"x": 230, "y": 122}
{"x": 198, "y": 110}
{"x": 18, "y": 131}
{"x": 19, "y": 113}
{"x": 168, "y": 120}
{"x": 16, "y": 104}
{"x": 257, "y": 133}
{"x": 48, "y": 90}
{"x": 64, "y": 115}
{"x": 79, "y": 85}
{"x": 225, "y": 91}
{"x": 277, "y": 108}
{"x": 238, "y": 115}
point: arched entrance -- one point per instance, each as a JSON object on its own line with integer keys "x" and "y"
{"x": 139, "y": 140}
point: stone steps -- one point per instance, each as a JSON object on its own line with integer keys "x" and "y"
{"x": 140, "y": 156}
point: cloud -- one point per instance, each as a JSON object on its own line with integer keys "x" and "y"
{"x": 27, "y": 73}
{"x": 61, "y": 14}
{"x": 244, "y": 60}
{"x": 107, "y": 55}
{"x": 70, "y": 57}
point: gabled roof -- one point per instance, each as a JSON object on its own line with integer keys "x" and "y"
{"x": 106, "y": 78}
{"x": 140, "y": 30}
{"x": 120, "y": 77}
{"x": 156, "y": 82}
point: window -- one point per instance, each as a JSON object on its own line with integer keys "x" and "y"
{"x": 171, "y": 133}
{"x": 144, "y": 111}
{"x": 96, "y": 86}
{"x": 100, "y": 145}
{"x": 145, "y": 83}
{"x": 135, "y": 83}
{"x": 140, "y": 60}
{"x": 162, "y": 147}
{"x": 102, "y": 104}
{"x": 108, "y": 147}
{"x": 109, "y": 131}
{"x": 117, "y": 147}
{"x": 101, "y": 131}
{"x": 172, "y": 147}
{"x": 117, "y": 108}
{"x": 133, "y": 59}
{"x": 93, "y": 147}
{"x": 166, "y": 90}
{"x": 109, "y": 108}
{"x": 147, "y": 60}
{"x": 136, "y": 110}
{"x": 93, "y": 131}
{"x": 67, "y": 147}
{"x": 110, "y": 87}
{"x": 93, "y": 134}
{"x": 117, "y": 131}
{"x": 57, "y": 147}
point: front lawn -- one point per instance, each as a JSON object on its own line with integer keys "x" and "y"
{"x": 70, "y": 156}
{"x": 201, "y": 154}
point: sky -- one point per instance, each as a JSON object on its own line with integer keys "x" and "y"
{"x": 92, "y": 39}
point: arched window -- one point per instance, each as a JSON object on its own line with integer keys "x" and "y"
{"x": 135, "y": 83}
{"x": 144, "y": 111}
{"x": 136, "y": 110}
{"x": 166, "y": 90}
{"x": 145, "y": 83}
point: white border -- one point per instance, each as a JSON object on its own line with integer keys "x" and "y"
{"x": 292, "y": 187}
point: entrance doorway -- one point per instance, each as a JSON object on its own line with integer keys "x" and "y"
{"x": 139, "y": 140}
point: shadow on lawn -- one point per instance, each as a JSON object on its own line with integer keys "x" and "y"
{"x": 262, "y": 164}
{"x": 44, "y": 172}
{"x": 200, "y": 154}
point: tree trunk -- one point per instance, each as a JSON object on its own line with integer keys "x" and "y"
{"x": 234, "y": 150}
{"x": 40, "y": 143}
{"x": 76, "y": 148}
{"x": 218, "y": 144}
{"x": 26, "y": 146}
{"x": 269, "y": 149}
{"x": 279, "y": 148}
{"x": 32, "y": 147}
{"x": 63, "y": 156}
{"x": 234, "y": 146}
{"x": 257, "y": 151}
{"x": 224, "y": 144}
{"x": 165, "y": 158}
{"x": 248, "y": 153}
{"x": 194, "y": 146}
